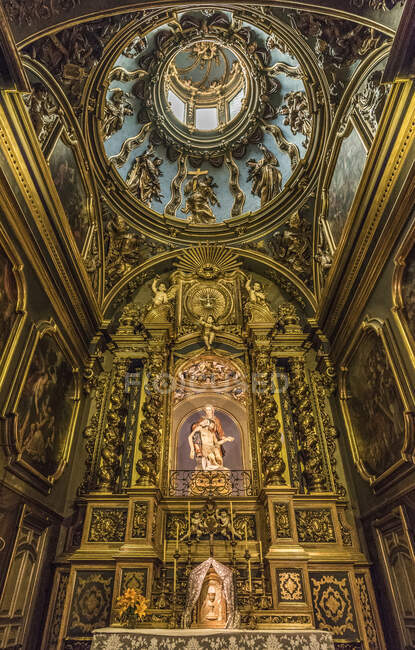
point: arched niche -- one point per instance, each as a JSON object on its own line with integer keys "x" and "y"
{"x": 202, "y": 399}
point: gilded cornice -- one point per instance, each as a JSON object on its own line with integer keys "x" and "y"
{"x": 63, "y": 277}
{"x": 385, "y": 21}
{"x": 379, "y": 211}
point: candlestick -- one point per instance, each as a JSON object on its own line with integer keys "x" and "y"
{"x": 249, "y": 576}
{"x": 260, "y": 551}
{"x": 246, "y": 534}
{"x": 177, "y": 535}
{"x": 188, "y": 516}
{"x": 232, "y": 521}
{"x": 164, "y": 550}
{"x": 174, "y": 575}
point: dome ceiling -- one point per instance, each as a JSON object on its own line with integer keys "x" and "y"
{"x": 208, "y": 119}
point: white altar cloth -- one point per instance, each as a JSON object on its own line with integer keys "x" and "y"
{"x": 113, "y": 638}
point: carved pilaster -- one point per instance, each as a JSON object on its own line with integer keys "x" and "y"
{"x": 91, "y": 435}
{"x": 148, "y": 465}
{"x": 112, "y": 444}
{"x": 309, "y": 443}
{"x": 321, "y": 385}
{"x": 273, "y": 466}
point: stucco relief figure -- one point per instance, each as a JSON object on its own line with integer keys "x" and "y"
{"x": 265, "y": 176}
{"x": 200, "y": 196}
{"x": 206, "y": 440}
{"x": 257, "y": 307}
{"x": 160, "y": 308}
{"x": 116, "y": 110}
{"x": 42, "y": 111}
{"x": 143, "y": 177}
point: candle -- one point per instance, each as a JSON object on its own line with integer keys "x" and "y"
{"x": 188, "y": 516}
{"x": 232, "y": 521}
{"x": 249, "y": 575}
{"x": 260, "y": 551}
{"x": 177, "y": 535}
{"x": 246, "y": 534}
{"x": 164, "y": 550}
{"x": 174, "y": 574}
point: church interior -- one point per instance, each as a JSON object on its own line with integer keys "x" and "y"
{"x": 207, "y": 327}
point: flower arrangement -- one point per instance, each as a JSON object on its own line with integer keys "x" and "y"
{"x": 133, "y": 606}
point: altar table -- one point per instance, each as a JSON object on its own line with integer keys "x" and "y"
{"x": 113, "y": 638}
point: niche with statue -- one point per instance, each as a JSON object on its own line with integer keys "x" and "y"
{"x": 210, "y": 599}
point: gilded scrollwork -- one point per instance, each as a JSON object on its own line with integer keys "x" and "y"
{"x": 367, "y": 611}
{"x": 308, "y": 439}
{"x": 112, "y": 443}
{"x": 282, "y": 520}
{"x": 71, "y": 54}
{"x": 287, "y": 318}
{"x": 315, "y": 526}
{"x": 107, "y": 525}
{"x": 290, "y": 585}
{"x": 273, "y": 465}
{"x": 297, "y": 115}
{"x": 139, "y": 525}
{"x": 338, "y": 43}
{"x": 370, "y": 101}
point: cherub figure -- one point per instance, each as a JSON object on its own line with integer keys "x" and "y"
{"x": 209, "y": 329}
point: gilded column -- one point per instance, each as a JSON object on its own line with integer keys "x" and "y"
{"x": 309, "y": 443}
{"x": 148, "y": 465}
{"x": 269, "y": 427}
{"x": 112, "y": 443}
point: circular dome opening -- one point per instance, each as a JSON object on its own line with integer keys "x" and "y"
{"x": 205, "y": 86}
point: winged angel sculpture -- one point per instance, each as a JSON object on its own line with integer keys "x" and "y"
{"x": 160, "y": 309}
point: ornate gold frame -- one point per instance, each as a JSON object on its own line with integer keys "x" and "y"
{"x": 345, "y": 119}
{"x": 398, "y": 308}
{"x": 10, "y": 418}
{"x": 72, "y": 135}
{"x": 383, "y": 330}
{"x": 13, "y": 339}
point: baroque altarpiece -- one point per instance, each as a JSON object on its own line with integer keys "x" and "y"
{"x": 207, "y": 337}
{"x": 211, "y": 434}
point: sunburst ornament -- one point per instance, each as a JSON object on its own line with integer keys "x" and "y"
{"x": 208, "y": 261}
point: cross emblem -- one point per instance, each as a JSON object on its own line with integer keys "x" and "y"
{"x": 196, "y": 174}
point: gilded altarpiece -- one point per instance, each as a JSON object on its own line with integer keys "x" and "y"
{"x": 210, "y": 433}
